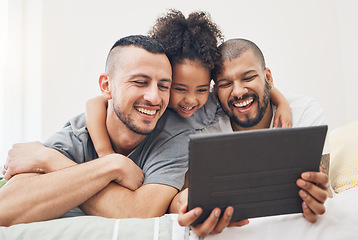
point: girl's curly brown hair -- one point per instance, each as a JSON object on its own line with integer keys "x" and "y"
{"x": 195, "y": 38}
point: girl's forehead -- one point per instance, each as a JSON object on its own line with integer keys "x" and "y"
{"x": 191, "y": 74}
{"x": 189, "y": 62}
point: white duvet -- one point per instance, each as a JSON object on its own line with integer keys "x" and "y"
{"x": 339, "y": 222}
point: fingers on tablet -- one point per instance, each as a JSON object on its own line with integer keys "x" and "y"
{"x": 187, "y": 218}
{"x": 308, "y": 214}
{"x": 208, "y": 225}
{"x": 224, "y": 221}
{"x": 315, "y": 206}
{"x": 319, "y": 178}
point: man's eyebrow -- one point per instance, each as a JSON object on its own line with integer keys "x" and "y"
{"x": 243, "y": 74}
{"x": 149, "y": 78}
{"x": 221, "y": 80}
{"x": 248, "y": 72}
{"x": 166, "y": 80}
{"x": 140, "y": 75}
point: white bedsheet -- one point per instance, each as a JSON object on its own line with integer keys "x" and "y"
{"x": 339, "y": 222}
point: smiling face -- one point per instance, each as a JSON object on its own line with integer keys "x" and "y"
{"x": 140, "y": 89}
{"x": 190, "y": 87}
{"x": 243, "y": 91}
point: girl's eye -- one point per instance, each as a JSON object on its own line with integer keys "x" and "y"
{"x": 180, "y": 89}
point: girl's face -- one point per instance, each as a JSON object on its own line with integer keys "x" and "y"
{"x": 190, "y": 87}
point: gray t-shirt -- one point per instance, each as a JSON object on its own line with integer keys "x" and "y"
{"x": 163, "y": 155}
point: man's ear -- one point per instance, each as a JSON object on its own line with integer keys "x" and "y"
{"x": 269, "y": 77}
{"x": 105, "y": 84}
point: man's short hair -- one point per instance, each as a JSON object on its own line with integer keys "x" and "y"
{"x": 149, "y": 44}
{"x": 141, "y": 41}
{"x": 234, "y": 48}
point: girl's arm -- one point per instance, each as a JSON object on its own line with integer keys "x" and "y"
{"x": 283, "y": 111}
{"x": 96, "y": 113}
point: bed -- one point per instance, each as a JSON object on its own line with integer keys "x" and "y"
{"x": 339, "y": 222}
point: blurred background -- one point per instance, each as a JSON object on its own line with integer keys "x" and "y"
{"x": 52, "y": 53}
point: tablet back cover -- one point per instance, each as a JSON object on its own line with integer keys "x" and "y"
{"x": 253, "y": 171}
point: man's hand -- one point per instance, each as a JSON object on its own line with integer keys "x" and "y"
{"x": 130, "y": 175}
{"x": 32, "y": 157}
{"x": 212, "y": 225}
{"x": 314, "y": 192}
{"x": 24, "y": 158}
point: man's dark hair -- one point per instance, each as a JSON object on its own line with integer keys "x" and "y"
{"x": 141, "y": 41}
{"x": 234, "y": 48}
{"x": 195, "y": 38}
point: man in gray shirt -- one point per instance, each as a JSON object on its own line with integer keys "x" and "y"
{"x": 150, "y": 144}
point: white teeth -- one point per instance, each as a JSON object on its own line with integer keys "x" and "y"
{"x": 187, "y": 108}
{"x": 244, "y": 103}
{"x": 146, "y": 111}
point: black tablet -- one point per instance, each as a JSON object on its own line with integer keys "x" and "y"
{"x": 253, "y": 171}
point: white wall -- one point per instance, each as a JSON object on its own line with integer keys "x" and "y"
{"x": 61, "y": 46}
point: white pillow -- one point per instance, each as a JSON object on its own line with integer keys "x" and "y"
{"x": 344, "y": 157}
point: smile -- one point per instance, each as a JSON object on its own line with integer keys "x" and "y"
{"x": 187, "y": 108}
{"x": 244, "y": 103}
{"x": 146, "y": 111}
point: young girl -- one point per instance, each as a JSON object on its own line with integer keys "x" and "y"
{"x": 191, "y": 45}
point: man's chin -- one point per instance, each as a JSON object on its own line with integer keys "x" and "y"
{"x": 141, "y": 129}
{"x": 143, "y": 132}
{"x": 246, "y": 123}
{"x": 148, "y": 129}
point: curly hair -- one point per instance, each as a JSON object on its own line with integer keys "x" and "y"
{"x": 195, "y": 38}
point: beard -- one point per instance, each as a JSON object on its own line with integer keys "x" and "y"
{"x": 128, "y": 121}
{"x": 262, "y": 106}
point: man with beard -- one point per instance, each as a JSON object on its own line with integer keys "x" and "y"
{"x": 242, "y": 87}
{"x": 150, "y": 142}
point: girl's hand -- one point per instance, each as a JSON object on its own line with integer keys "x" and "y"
{"x": 283, "y": 116}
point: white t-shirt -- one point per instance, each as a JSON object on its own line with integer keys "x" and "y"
{"x": 305, "y": 112}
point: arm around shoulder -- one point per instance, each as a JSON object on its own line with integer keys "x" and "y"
{"x": 283, "y": 114}
{"x": 96, "y": 113}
